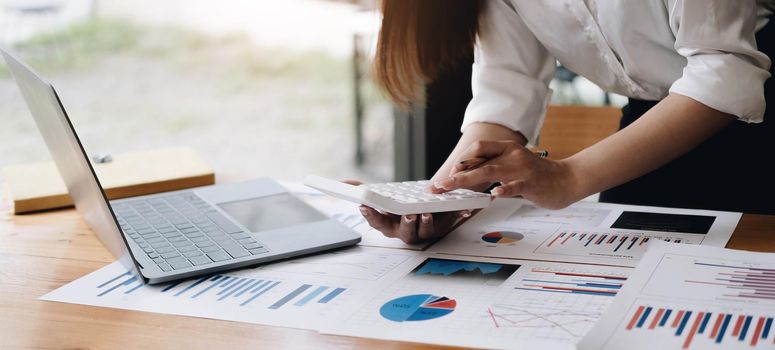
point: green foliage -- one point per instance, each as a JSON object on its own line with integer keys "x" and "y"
{"x": 88, "y": 37}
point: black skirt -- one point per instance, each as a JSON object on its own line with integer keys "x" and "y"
{"x": 730, "y": 171}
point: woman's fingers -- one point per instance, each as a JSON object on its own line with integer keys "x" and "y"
{"x": 511, "y": 189}
{"x": 384, "y": 223}
{"x": 425, "y": 228}
{"x": 407, "y": 229}
{"x": 353, "y": 182}
{"x": 467, "y": 164}
{"x": 487, "y": 173}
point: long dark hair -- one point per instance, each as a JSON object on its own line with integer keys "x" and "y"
{"x": 419, "y": 40}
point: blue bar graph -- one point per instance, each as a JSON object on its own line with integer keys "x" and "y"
{"x": 224, "y": 288}
{"x": 127, "y": 282}
{"x": 192, "y": 285}
{"x": 262, "y": 291}
{"x": 217, "y": 282}
{"x": 114, "y": 279}
{"x": 665, "y": 317}
{"x": 745, "y": 327}
{"x": 704, "y": 323}
{"x": 644, "y": 317}
{"x": 311, "y": 296}
{"x": 723, "y": 330}
{"x": 331, "y": 296}
{"x": 290, "y": 296}
{"x": 683, "y": 323}
{"x": 170, "y": 286}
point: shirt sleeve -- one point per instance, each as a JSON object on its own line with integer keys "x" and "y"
{"x": 511, "y": 73}
{"x": 724, "y": 69}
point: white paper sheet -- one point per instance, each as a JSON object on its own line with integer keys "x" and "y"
{"x": 300, "y": 293}
{"x": 586, "y": 232}
{"x": 692, "y": 297}
{"x": 487, "y": 303}
{"x": 348, "y": 214}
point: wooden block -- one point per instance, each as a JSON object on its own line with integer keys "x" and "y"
{"x": 34, "y": 187}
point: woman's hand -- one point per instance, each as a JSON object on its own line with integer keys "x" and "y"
{"x": 549, "y": 184}
{"x": 415, "y": 228}
{"x": 411, "y": 229}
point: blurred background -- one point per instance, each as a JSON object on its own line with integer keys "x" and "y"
{"x": 257, "y": 87}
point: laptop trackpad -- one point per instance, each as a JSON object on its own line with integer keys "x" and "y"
{"x": 271, "y": 212}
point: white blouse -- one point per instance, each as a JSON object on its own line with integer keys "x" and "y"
{"x": 703, "y": 49}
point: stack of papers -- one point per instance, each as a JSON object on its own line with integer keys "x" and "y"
{"x": 513, "y": 276}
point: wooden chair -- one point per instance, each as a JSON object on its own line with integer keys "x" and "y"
{"x": 569, "y": 129}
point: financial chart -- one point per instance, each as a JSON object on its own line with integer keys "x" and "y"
{"x": 696, "y": 299}
{"x": 241, "y": 291}
{"x": 702, "y": 326}
{"x": 583, "y": 233}
{"x": 573, "y": 281}
{"x": 612, "y": 244}
{"x": 712, "y": 279}
{"x": 558, "y": 301}
{"x": 449, "y": 299}
{"x": 285, "y": 294}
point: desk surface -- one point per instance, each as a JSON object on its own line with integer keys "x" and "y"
{"x": 41, "y": 252}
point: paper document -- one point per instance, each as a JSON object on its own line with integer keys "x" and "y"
{"x": 490, "y": 303}
{"x": 585, "y": 232}
{"x": 348, "y": 214}
{"x": 299, "y": 293}
{"x": 692, "y": 297}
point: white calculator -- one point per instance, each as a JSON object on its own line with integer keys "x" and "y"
{"x": 401, "y": 198}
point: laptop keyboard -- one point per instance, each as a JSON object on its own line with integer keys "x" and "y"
{"x": 181, "y": 230}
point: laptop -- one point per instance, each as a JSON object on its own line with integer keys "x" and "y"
{"x": 179, "y": 234}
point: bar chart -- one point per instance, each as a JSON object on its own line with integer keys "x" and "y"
{"x": 610, "y": 244}
{"x": 291, "y": 296}
{"x": 703, "y": 328}
{"x": 594, "y": 283}
{"x": 240, "y": 291}
{"x": 740, "y": 282}
{"x": 691, "y": 297}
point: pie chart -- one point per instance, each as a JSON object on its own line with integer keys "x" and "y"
{"x": 418, "y": 307}
{"x": 502, "y": 237}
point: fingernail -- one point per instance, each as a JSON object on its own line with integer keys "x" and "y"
{"x": 496, "y": 191}
{"x": 409, "y": 218}
{"x": 446, "y": 183}
{"x": 425, "y": 218}
{"x": 364, "y": 211}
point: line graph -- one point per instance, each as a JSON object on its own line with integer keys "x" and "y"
{"x": 544, "y": 320}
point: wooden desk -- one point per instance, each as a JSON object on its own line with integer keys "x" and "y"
{"x": 41, "y": 252}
